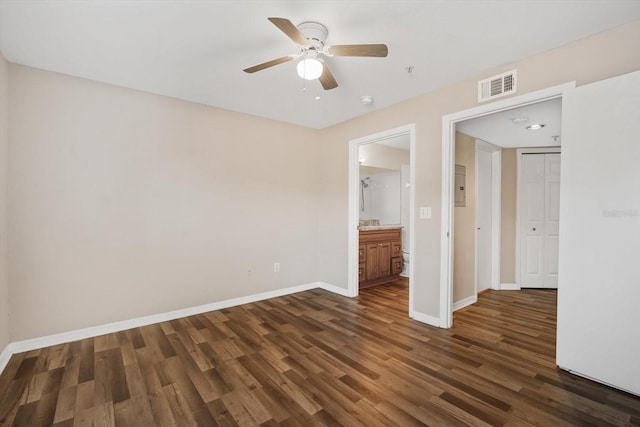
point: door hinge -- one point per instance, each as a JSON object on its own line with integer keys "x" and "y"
{"x": 447, "y": 234}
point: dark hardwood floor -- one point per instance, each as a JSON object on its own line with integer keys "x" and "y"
{"x": 315, "y": 358}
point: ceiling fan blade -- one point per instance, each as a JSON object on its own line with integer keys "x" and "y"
{"x": 375, "y": 50}
{"x": 327, "y": 80}
{"x": 290, "y": 30}
{"x": 268, "y": 64}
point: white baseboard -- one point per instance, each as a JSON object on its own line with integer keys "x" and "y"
{"x": 108, "y": 328}
{"x": 509, "y": 287}
{"x": 465, "y": 302}
{"x": 572, "y": 372}
{"x": 94, "y": 331}
{"x": 335, "y": 289}
{"x": 5, "y": 356}
{"x": 428, "y": 319}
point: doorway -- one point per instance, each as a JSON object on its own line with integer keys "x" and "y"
{"x": 448, "y": 166}
{"x": 538, "y": 218}
{"x": 488, "y": 183}
{"x": 356, "y": 203}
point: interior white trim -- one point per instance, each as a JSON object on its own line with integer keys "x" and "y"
{"x": 597, "y": 380}
{"x": 496, "y": 212}
{"x": 93, "y": 331}
{"x": 509, "y": 287}
{"x": 425, "y": 318}
{"x": 354, "y": 182}
{"x": 448, "y": 158}
{"x": 519, "y": 153}
{"x": 465, "y": 302}
{"x": 5, "y": 356}
{"x": 334, "y": 289}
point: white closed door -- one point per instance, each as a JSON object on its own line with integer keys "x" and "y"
{"x": 483, "y": 219}
{"x": 598, "y": 335}
{"x": 540, "y": 201}
{"x": 551, "y": 220}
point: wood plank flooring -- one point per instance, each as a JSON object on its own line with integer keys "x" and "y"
{"x": 315, "y": 358}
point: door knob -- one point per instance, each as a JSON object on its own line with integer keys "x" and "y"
{"x": 534, "y": 229}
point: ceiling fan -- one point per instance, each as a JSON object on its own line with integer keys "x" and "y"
{"x": 310, "y": 37}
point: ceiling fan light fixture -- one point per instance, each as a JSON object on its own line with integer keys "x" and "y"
{"x": 310, "y": 69}
{"x": 310, "y": 37}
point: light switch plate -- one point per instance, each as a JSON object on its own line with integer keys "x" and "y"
{"x": 425, "y": 212}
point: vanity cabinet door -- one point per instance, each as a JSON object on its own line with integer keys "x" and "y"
{"x": 396, "y": 249}
{"x": 396, "y": 265}
{"x": 362, "y": 254}
{"x": 378, "y": 263}
{"x": 379, "y": 256}
{"x": 371, "y": 263}
{"x": 384, "y": 259}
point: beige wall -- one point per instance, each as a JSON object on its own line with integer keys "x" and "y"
{"x": 4, "y": 141}
{"x": 574, "y": 61}
{"x": 125, "y": 204}
{"x": 383, "y": 156}
{"x": 464, "y": 217}
{"x": 508, "y": 216}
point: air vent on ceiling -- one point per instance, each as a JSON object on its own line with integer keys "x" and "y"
{"x": 497, "y": 86}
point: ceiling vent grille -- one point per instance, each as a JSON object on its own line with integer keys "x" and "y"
{"x": 497, "y": 86}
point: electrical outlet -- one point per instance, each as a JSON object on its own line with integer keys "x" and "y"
{"x": 276, "y": 267}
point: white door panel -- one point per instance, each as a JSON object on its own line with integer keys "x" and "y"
{"x": 552, "y": 219}
{"x": 533, "y": 220}
{"x": 539, "y": 223}
{"x": 598, "y": 294}
{"x": 483, "y": 220}
{"x": 533, "y": 259}
{"x": 551, "y": 259}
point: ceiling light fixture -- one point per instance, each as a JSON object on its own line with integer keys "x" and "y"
{"x": 536, "y": 126}
{"x": 309, "y": 68}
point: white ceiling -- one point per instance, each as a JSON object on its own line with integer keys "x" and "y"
{"x": 196, "y": 50}
{"x": 402, "y": 142}
{"x": 500, "y": 129}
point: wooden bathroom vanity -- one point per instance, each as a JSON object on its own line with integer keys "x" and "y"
{"x": 380, "y": 255}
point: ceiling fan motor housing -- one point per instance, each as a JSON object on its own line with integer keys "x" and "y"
{"x": 315, "y": 32}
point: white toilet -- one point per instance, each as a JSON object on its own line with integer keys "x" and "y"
{"x": 405, "y": 264}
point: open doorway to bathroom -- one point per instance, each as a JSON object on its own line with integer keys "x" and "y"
{"x": 381, "y": 211}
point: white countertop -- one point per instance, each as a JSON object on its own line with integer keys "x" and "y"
{"x": 379, "y": 227}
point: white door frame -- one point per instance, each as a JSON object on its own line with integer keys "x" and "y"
{"x": 496, "y": 211}
{"x": 354, "y": 208}
{"x": 519, "y": 182}
{"x": 448, "y": 168}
